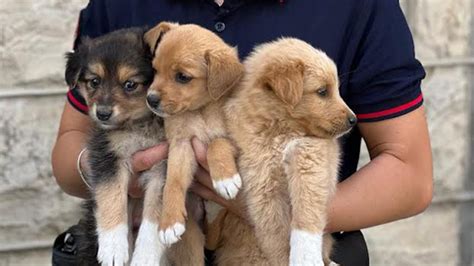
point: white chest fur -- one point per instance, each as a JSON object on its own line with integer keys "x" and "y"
{"x": 126, "y": 142}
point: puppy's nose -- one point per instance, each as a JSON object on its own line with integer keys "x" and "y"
{"x": 352, "y": 120}
{"x": 153, "y": 100}
{"x": 104, "y": 113}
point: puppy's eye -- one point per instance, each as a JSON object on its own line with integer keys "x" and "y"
{"x": 323, "y": 92}
{"x": 182, "y": 78}
{"x": 94, "y": 83}
{"x": 130, "y": 86}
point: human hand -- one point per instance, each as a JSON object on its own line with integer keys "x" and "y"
{"x": 204, "y": 188}
{"x": 142, "y": 161}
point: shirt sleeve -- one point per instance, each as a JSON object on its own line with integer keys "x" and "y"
{"x": 93, "y": 22}
{"x": 386, "y": 77}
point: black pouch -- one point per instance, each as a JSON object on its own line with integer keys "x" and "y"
{"x": 65, "y": 248}
{"x": 350, "y": 249}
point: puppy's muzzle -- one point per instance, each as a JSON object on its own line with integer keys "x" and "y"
{"x": 153, "y": 101}
{"x": 351, "y": 120}
{"x": 104, "y": 113}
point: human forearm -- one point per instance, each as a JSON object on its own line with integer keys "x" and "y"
{"x": 385, "y": 190}
{"x": 64, "y": 162}
{"x": 396, "y": 184}
{"x": 71, "y": 139}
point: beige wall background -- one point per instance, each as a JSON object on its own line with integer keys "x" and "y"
{"x": 34, "y": 35}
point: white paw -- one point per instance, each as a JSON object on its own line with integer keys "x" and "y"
{"x": 305, "y": 248}
{"x": 172, "y": 234}
{"x": 113, "y": 246}
{"x": 229, "y": 187}
{"x": 148, "y": 249}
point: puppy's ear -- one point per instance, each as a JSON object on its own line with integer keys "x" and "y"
{"x": 74, "y": 61}
{"x": 153, "y": 36}
{"x": 224, "y": 70}
{"x": 285, "y": 80}
{"x": 73, "y": 68}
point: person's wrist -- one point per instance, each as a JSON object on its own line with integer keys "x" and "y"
{"x": 80, "y": 168}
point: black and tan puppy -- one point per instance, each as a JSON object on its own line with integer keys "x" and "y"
{"x": 113, "y": 73}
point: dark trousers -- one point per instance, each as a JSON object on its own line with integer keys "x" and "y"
{"x": 349, "y": 249}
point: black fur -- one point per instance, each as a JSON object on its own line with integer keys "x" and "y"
{"x": 117, "y": 48}
{"x": 101, "y": 158}
{"x": 73, "y": 67}
{"x": 121, "y": 46}
{"x": 86, "y": 236}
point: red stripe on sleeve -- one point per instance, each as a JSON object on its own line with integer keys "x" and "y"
{"x": 76, "y": 103}
{"x": 393, "y": 110}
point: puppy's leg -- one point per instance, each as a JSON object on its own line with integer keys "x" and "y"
{"x": 111, "y": 217}
{"x": 268, "y": 211}
{"x": 214, "y": 230}
{"x": 221, "y": 156}
{"x": 237, "y": 245}
{"x": 181, "y": 167}
{"x": 310, "y": 183}
{"x": 190, "y": 250}
{"x": 148, "y": 249}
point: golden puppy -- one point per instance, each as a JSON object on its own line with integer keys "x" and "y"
{"x": 285, "y": 119}
{"x": 195, "y": 70}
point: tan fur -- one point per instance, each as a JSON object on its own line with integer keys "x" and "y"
{"x": 181, "y": 165}
{"x": 214, "y": 229}
{"x": 288, "y": 153}
{"x": 234, "y": 242}
{"x": 286, "y": 81}
{"x": 151, "y": 201}
{"x": 189, "y": 251}
{"x": 111, "y": 199}
{"x": 328, "y": 243}
{"x": 97, "y": 68}
{"x": 154, "y": 34}
{"x": 125, "y": 72}
{"x": 191, "y": 109}
{"x": 219, "y": 152}
{"x": 222, "y": 67}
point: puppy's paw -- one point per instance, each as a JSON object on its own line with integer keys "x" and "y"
{"x": 148, "y": 249}
{"x": 228, "y": 187}
{"x": 113, "y": 246}
{"x": 172, "y": 234}
{"x": 305, "y": 248}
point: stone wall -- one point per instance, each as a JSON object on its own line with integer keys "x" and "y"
{"x": 33, "y": 38}
{"x": 442, "y": 30}
{"x": 34, "y": 35}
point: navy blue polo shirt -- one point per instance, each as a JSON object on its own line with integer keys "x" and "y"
{"x": 368, "y": 39}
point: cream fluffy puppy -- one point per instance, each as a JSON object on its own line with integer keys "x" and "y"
{"x": 285, "y": 119}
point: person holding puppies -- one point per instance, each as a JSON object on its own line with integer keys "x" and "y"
{"x": 380, "y": 80}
